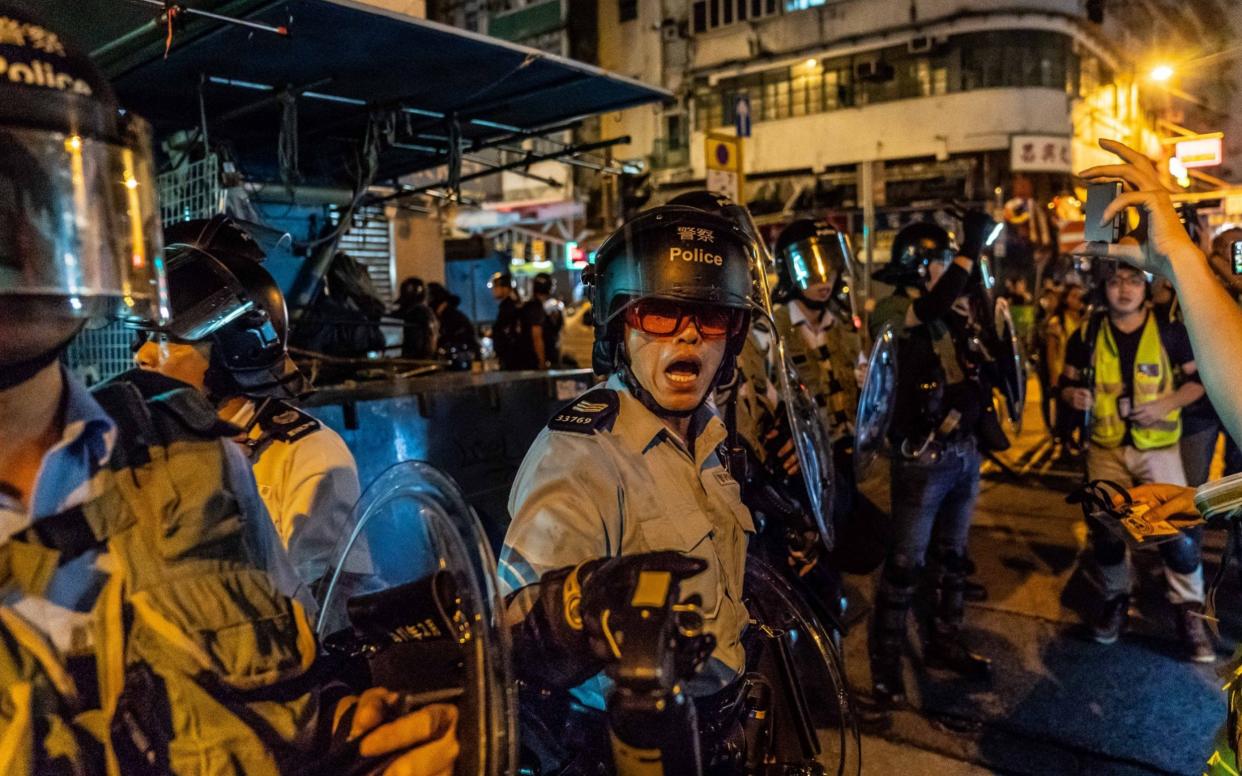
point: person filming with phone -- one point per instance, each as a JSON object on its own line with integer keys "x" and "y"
{"x": 1213, "y": 321}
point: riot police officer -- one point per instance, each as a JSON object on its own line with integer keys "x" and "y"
{"x": 146, "y": 624}
{"x": 635, "y": 470}
{"x": 936, "y": 460}
{"x": 227, "y": 337}
{"x": 816, "y": 322}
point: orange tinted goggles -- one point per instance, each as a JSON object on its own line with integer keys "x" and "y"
{"x": 665, "y": 318}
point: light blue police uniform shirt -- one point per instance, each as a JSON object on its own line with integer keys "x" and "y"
{"x": 64, "y": 481}
{"x": 630, "y": 489}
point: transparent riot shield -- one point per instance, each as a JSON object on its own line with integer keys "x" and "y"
{"x": 416, "y": 567}
{"x": 811, "y": 439}
{"x": 789, "y": 645}
{"x": 876, "y": 401}
{"x": 1009, "y": 364}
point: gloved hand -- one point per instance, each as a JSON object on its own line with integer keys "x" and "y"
{"x": 976, "y": 227}
{"x": 560, "y": 641}
{"x": 608, "y": 583}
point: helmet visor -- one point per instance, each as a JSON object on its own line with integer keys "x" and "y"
{"x": 79, "y": 223}
{"x": 204, "y": 296}
{"x": 822, "y": 259}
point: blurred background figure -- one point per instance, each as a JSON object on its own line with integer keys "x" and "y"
{"x": 457, "y": 341}
{"x": 543, "y": 289}
{"x": 421, "y": 326}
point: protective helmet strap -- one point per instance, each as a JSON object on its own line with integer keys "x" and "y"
{"x": 16, "y": 374}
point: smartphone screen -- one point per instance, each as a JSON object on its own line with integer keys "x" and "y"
{"x": 1099, "y": 196}
{"x": 1235, "y": 254}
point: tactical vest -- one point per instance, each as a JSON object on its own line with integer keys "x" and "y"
{"x": 827, "y": 371}
{"x": 196, "y": 652}
{"x": 1153, "y": 379}
{"x": 919, "y": 409}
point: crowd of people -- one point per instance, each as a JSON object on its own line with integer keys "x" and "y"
{"x": 525, "y": 335}
{"x": 164, "y": 532}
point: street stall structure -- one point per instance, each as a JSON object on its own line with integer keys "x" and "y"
{"x": 324, "y": 109}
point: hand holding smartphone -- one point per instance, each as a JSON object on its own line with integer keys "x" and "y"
{"x": 1099, "y": 197}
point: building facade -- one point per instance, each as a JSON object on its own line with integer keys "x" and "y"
{"x": 870, "y": 112}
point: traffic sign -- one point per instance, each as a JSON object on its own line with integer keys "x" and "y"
{"x": 724, "y": 165}
{"x": 741, "y": 115}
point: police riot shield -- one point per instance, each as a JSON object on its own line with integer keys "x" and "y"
{"x": 1008, "y": 358}
{"x": 412, "y": 603}
{"x": 809, "y": 706}
{"x": 811, "y": 439}
{"x": 876, "y": 401}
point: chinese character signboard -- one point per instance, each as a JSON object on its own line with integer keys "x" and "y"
{"x": 1039, "y": 153}
{"x": 724, "y": 166}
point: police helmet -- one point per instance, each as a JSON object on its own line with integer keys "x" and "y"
{"x": 739, "y": 215}
{"x": 916, "y": 246}
{"x": 810, "y": 253}
{"x": 670, "y": 252}
{"x": 79, "y": 224}
{"x": 543, "y": 284}
{"x": 220, "y": 294}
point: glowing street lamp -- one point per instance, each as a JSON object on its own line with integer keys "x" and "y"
{"x": 1161, "y": 73}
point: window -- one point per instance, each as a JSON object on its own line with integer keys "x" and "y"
{"x": 1010, "y": 58}
{"x": 627, "y": 10}
{"x": 709, "y": 14}
{"x": 801, "y": 5}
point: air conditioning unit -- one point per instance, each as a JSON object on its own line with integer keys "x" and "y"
{"x": 877, "y": 71}
{"x": 924, "y": 44}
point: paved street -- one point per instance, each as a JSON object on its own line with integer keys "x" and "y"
{"x": 1058, "y": 704}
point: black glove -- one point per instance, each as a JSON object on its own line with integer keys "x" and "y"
{"x": 609, "y": 583}
{"x": 976, "y": 227}
{"x": 560, "y": 642}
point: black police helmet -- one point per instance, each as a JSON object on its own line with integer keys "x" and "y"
{"x": 78, "y": 217}
{"x": 220, "y": 293}
{"x": 47, "y": 83}
{"x": 914, "y": 247}
{"x": 809, "y": 253}
{"x": 711, "y": 201}
{"x": 671, "y": 252}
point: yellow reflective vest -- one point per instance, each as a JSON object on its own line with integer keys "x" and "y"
{"x": 1153, "y": 380}
{"x": 201, "y": 665}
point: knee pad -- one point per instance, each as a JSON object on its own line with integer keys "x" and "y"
{"x": 900, "y": 576}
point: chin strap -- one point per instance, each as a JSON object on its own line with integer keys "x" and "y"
{"x": 16, "y": 374}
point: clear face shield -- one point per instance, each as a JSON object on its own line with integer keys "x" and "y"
{"x": 811, "y": 439}
{"x": 82, "y": 225}
{"x": 825, "y": 260}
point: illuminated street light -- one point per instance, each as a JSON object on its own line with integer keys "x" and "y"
{"x": 1161, "y": 73}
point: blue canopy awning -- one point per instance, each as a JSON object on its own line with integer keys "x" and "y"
{"x": 345, "y": 64}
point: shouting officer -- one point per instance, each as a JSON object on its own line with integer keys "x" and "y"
{"x": 226, "y": 337}
{"x": 144, "y": 621}
{"x": 1135, "y": 372}
{"x": 637, "y": 467}
{"x": 935, "y": 466}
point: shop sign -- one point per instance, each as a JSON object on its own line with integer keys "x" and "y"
{"x": 1040, "y": 153}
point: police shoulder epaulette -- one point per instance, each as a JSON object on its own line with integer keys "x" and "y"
{"x": 590, "y": 412}
{"x": 282, "y": 421}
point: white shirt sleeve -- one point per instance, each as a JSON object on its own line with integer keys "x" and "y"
{"x": 259, "y": 529}
{"x": 314, "y": 498}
